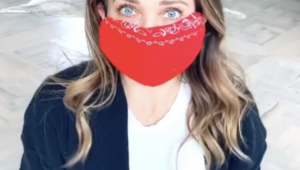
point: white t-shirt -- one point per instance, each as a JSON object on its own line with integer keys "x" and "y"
{"x": 156, "y": 147}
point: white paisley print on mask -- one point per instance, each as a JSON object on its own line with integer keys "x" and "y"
{"x": 139, "y": 33}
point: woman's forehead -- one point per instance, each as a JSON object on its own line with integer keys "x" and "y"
{"x": 160, "y": 2}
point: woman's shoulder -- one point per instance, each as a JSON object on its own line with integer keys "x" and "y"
{"x": 251, "y": 123}
{"x": 48, "y": 125}
{"x": 74, "y": 72}
{"x": 49, "y": 135}
{"x": 54, "y": 85}
{"x": 253, "y": 141}
{"x": 253, "y": 129}
{"x": 48, "y": 98}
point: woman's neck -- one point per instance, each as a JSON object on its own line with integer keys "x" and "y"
{"x": 150, "y": 104}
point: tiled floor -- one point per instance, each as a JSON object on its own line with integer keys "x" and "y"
{"x": 267, "y": 43}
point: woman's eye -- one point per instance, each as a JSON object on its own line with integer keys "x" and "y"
{"x": 172, "y": 14}
{"x": 127, "y": 11}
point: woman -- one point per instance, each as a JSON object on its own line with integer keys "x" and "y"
{"x": 158, "y": 94}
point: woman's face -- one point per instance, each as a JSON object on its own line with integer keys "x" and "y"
{"x": 148, "y": 13}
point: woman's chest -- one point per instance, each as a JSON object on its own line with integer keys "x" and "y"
{"x": 165, "y": 153}
{"x": 163, "y": 146}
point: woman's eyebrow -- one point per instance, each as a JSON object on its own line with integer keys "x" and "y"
{"x": 163, "y": 2}
{"x": 131, "y": 1}
{"x": 170, "y": 2}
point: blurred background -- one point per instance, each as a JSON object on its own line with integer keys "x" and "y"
{"x": 263, "y": 35}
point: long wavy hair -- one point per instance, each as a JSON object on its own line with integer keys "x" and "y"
{"x": 218, "y": 89}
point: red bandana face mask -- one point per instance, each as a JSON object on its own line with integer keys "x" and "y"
{"x": 152, "y": 56}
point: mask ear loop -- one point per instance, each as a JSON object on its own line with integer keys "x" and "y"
{"x": 103, "y": 3}
{"x": 105, "y": 7}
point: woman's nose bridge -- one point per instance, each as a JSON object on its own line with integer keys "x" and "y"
{"x": 149, "y": 21}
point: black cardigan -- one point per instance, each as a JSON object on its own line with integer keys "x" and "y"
{"x": 49, "y": 136}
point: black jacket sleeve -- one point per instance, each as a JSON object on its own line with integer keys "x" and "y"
{"x": 46, "y": 122}
{"x": 255, "y": 145}
{"x": 39, "y": 135}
